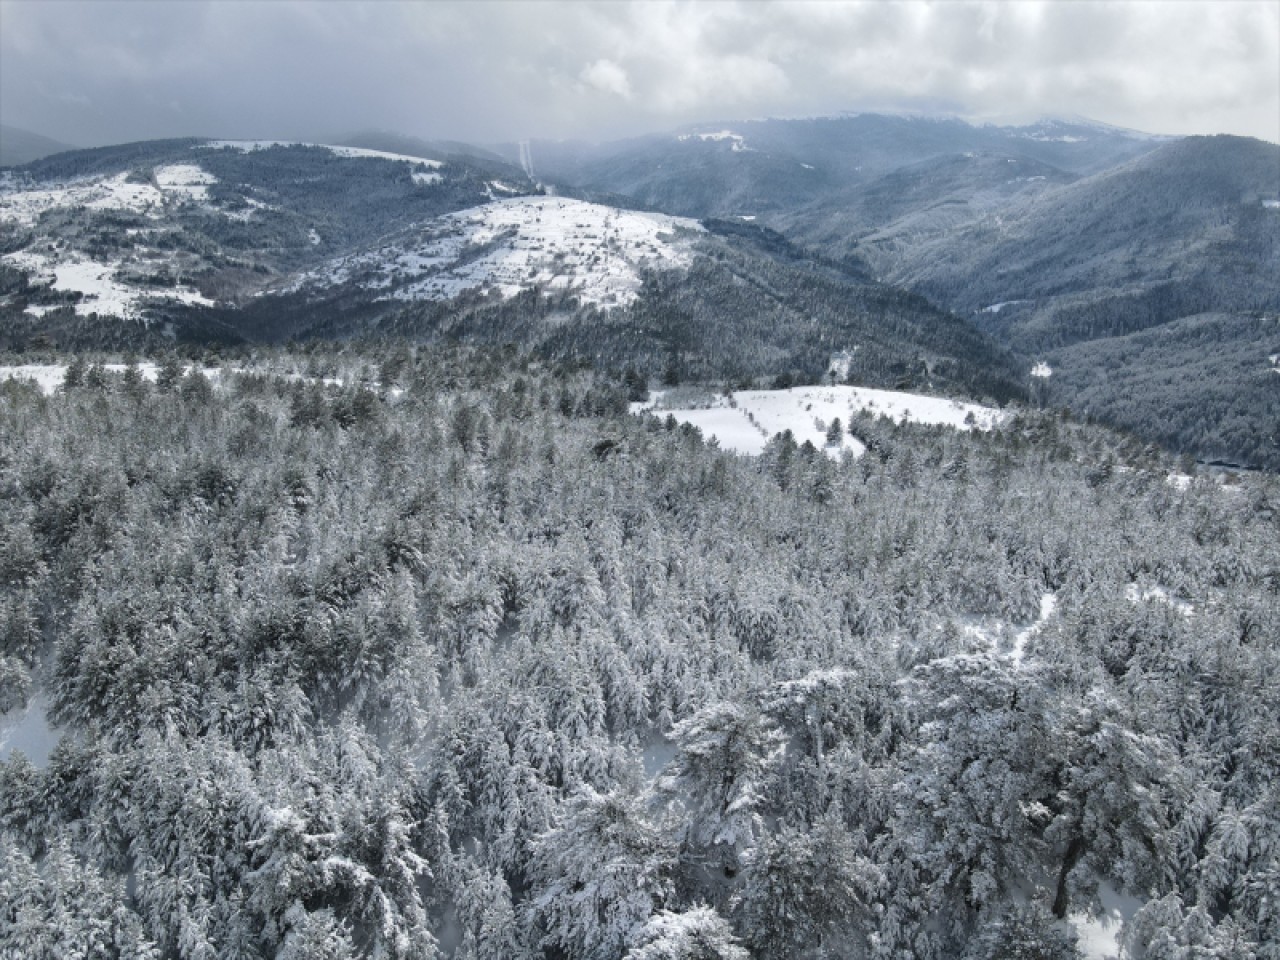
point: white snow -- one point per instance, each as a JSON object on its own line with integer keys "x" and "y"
{"x": 997, "y": 307}
{"x": 838, "y": 367}
{"x": 28, "y": 730}
{"x": 515, "y": 243}
{"x": 186, "y": 181}
{"x": 1099, "y": 937}
{"x": 427, "y": 179}
{"x": 1048, "y": 607}
{"x": 1158, "y": 594}
{"x": 359, "y": 153}
{"x": 1042, "y": 370}
{"x": 1271, "y": 204}
{"x": 101, "y": 292}
{"x": 48, "y": 377}
{"x": 23, "y": 203}
{"x": 730, "y": 428}
{"x": 757, "y": 415}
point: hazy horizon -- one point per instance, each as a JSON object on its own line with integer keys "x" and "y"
{"x": 108, "y": 72}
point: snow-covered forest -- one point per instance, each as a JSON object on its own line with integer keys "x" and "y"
{"x": 456, "y": 657}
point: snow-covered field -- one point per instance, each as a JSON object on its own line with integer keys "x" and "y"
{"x": 515, "y": 243}
{"x": 1042, "y": 370}
{"x": 755, "y": 416}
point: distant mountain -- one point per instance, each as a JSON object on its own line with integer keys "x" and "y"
{"x": 263, "y": 240}
{"x": 18, "y": 146}
{"x": 1193, "y": 226}
{"x": 1208, "y": 383}
{"x": 156, "y": 234}
{"x": 433, "y": 150}
{"x": 762, "y": 167}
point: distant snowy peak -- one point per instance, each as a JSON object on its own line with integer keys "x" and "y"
{"x": 736, "y": 140}
{"x": 350, "y": 153}
{"x": 518, "y": 243}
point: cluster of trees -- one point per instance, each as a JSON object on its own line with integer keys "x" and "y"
{"x": 459, "y": 659}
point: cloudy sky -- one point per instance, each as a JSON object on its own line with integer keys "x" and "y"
{"x": 99, "y": 72}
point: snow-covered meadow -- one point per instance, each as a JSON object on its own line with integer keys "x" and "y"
{"x": 745, "y": 421}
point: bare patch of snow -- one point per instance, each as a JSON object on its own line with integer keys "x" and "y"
{"x": 185, "y": 181}
{"x": 1042, "y": 370}
{"x": 997, "y": 307}
{"x": 28, "y": 730}
{"x": 1158, "y": 594}
{"x": 1048, "y": 607}
{"x": 1099, "y": 937}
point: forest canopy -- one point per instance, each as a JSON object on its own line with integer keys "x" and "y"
{"x": 439, "y": 652}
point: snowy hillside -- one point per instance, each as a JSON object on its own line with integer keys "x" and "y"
{"x": 356, "y": 153}
{"x": 747, "y": 420}
{"x": 515, "y": 243}
{"x": 117, "y": 280}
{"x": 23, "y": 203}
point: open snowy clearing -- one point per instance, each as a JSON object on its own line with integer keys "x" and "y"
{"x": 516, "y": 243}
{"x": 746, "y": 424}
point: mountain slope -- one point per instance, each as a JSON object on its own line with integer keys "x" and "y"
{"x": 1191, "y": 227}
{"x": 764, "y": 167}
{"x": 18, "y": 146}
{"x": 141, "y": 232}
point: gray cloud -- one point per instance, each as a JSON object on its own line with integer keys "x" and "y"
{"x": 102, "y": 71}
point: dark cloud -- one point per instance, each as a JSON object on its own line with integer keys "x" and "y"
{"x": 105, "y": 71}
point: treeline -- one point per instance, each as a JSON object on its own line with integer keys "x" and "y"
{"x": 459, "y": 659}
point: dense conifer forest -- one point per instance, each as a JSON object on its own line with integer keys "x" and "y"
{"x": 417, "y": 652}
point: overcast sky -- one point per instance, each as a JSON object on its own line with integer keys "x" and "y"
{"x": 99, "y": 72}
